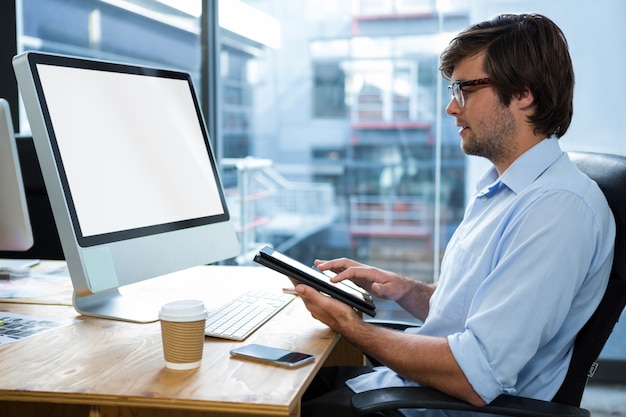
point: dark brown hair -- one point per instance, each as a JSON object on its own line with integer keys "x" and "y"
{"x": 526, "y": 51}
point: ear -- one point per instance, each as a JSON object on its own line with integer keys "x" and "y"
{"x": 524, "y": 101}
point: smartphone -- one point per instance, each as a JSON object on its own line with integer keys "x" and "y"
{"x": 272, "y": 355}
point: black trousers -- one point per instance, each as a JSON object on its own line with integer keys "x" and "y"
{"x": 328, "y": 395}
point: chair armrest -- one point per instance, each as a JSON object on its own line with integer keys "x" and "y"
{"x": 422, "y": 397}
{"x": 394, "y": 323}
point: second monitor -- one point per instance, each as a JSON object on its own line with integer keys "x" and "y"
{"x": 15, "y": 229}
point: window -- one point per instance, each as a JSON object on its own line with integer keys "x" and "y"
{"x": 331, "y": 115}
{"x": 352, "y": 99}
{"x": 135, "y": 31}
{"x": 348, "y": 100}
{"x": 329, "y": 91}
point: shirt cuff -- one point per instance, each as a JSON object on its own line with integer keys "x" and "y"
{"x": 470, "y": 356}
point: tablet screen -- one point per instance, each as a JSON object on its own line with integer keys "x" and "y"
{"x": 344, "y": 286}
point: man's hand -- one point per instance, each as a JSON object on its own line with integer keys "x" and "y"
{"x": 376, "y": 281}
{"x": 412, "y": 295}
{"x": 335, "y": 314}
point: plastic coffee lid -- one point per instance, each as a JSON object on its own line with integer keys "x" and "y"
{"x": 183, "y": 310}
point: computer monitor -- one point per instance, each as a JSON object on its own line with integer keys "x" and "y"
{"x": 130, "y": 173}
{"x": 15, "y": 229}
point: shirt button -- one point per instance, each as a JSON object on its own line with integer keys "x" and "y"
{"x": 484, "y": 198}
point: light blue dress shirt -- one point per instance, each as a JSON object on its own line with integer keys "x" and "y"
{"x": 521, "y": 275}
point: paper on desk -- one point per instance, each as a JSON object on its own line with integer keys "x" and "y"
{"x": 16, "y": 268}
{"x": 42, "y": 284}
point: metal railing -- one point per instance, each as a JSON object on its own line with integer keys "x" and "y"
{"x": 266, "y": 208}
{"x": 390, "y": 217}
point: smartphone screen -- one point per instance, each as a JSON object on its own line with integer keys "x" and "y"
{"x": 272, "y": 355}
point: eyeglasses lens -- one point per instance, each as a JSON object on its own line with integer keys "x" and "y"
{"x": 457, "y": 93}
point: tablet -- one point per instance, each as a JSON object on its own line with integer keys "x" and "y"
{"x": 349, "y": 294}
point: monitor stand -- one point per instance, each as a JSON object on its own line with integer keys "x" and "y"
{"x": 111, "y": 304}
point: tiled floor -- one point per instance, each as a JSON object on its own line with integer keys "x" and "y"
{"x": 605, "y": 400}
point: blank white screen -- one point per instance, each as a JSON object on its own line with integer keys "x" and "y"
{"x": 132, "y": 148}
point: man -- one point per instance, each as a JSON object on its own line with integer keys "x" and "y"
{"x": 528, "y": 264}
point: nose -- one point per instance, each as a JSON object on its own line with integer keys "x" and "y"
{"x": 453, "y": 107}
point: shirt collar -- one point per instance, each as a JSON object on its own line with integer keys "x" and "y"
{"x": 525, "y": 169}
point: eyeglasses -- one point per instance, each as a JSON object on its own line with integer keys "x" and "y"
{"x": 456, "y": 88}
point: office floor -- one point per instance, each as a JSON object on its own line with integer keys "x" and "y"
{"x": 605, "y": 400}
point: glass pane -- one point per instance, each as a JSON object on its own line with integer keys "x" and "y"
{"x": 348, "y": 149}
{"x": 147, "y": 32}
{"x": 329, "y": 134}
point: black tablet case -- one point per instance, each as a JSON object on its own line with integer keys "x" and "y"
{"x": 266, "y": 258}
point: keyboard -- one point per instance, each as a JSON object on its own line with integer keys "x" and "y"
{"x": 14, "y": 327}
{"x": 244, "y": 314}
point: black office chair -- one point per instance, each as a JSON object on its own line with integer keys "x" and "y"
{"x": 609, "y": 171}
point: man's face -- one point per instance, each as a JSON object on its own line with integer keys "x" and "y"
{"x": 487, "y": 127}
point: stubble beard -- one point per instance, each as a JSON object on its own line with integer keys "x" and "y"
{"x": 494, "y": 139}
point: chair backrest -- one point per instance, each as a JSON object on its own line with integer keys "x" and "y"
{"x": 609, "y": 171}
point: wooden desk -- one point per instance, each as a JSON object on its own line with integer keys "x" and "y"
{"x": 119, "y": 368}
